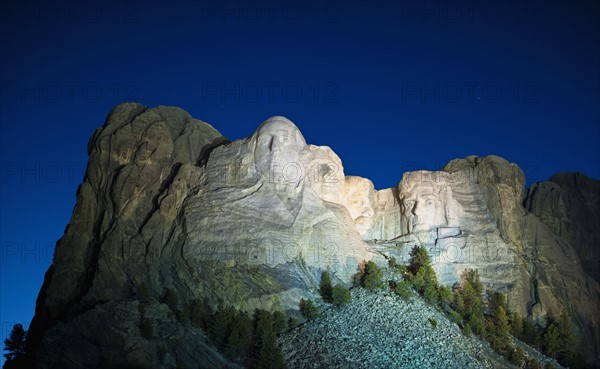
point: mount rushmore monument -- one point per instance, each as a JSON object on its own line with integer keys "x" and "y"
{"x": 169, "y": 204}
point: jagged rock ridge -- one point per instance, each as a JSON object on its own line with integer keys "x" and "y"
{"x": 169, "y": 203}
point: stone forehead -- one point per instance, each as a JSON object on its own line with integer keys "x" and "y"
{"x": 422, "y": 183}
{"x": 279, "y": 123}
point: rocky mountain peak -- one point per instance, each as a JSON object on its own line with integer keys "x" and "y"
{"x": 169, "y": 206}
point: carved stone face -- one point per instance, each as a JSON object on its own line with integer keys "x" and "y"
{"x": 424, "y": 207}
{"x": 277, "y": 151}
{"x": 326, "y": 175}
{"x": 359, "y": 202}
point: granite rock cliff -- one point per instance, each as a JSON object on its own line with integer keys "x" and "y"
{"x": 168, "y": 204}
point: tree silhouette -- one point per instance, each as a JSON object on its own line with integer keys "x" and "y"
{"x": 269, "y": 355}
{"x": 15, "y": 345}
{"x": 552, "y": 341}
{"x": 220, "y": 325}
{"x": 239, "y": 342}
{"x": 326, "y": 288}
{"x": 279, "y": 321}
{"x": 201, "y": 314}
{"x": 308, "y": 309}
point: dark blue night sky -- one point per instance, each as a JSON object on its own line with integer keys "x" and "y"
{"x": 390, "y": 86}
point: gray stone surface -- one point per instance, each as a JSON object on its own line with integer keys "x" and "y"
{"x": 569, "y": 204}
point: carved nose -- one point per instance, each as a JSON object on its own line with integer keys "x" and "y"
{"x": 275, "y": 145}
{"x": 415, "y": 209}
{"x": 271, "y": 144}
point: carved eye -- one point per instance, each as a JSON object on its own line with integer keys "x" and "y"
{"x": 264, "y": 141}
{"x": 286, "y": 140}
{"x": 429, "y": 203}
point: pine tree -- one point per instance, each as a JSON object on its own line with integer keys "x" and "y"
{"x": 430, "y": 294}
{"x": 263, "y": 322}
{"x": 359, "y": 278}
{"x": 200, "y": 315}
{"x": 15, "y": 343}
{"x": 502, "y": 329}
{"x": 497, "y": 299}
{"x": 445, "y": 295}
{"x": 267, "y": 354}
{"x": 467, "y": 301}
{"x": 459, "y": 304}
{"x": 418, "y": 258}
{"x": 325, "y": 287}
{"x": 292, "y": 322}
{"x": 403, "y": 290}
{"x": 373, "y": 276}
{"x": 516, "y": 356}
{"x": 341, "y": 295}
{"x": 429, "y": 276}
{"x": 552, "y": 342}
{"x": 280, "y": 322}
{"x": 220, "y": 325}
{"x": 516, "y": 325}
{"x": 477, "y": 321}
{"x": 530, "y": 332}
{"x": 239, "y": 342}
{"x": 567, "y": 338}
{"x": 270, "y": 355}
{"x": 308, "y": 309}
{"x": 472, "y": 277}
{"x": 392, "y": 263}
{"x": 422, "y": 276}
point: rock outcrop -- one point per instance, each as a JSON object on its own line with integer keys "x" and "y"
{"x": 569, "y": 204}
{"x": 169, "y": 206}
{"x": 470, "y": 215}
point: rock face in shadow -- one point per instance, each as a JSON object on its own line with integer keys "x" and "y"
{"x": 170, "y": 213}
{"x": 569, "y": 204}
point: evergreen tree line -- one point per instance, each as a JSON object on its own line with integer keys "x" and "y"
{"x": 337, "y": 295}
{"x": 249, "y": 340}
{"x": 489, "y": 318}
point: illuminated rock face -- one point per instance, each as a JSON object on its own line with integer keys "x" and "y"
{"x": 470, "y": 215}
{"x": 272, "y": 199}
{"x": 168, "y": 204}
{"x": 446, "y": 213}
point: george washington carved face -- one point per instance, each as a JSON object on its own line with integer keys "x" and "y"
{"x": 277, "y": 151}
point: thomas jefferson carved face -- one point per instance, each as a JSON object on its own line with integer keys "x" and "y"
{"x": 278, "y": 148}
